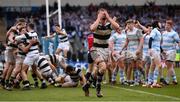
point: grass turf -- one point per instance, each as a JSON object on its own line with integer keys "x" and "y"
{"x": 111, "y": 93}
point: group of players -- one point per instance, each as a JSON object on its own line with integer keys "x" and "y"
{"x": 136, "y": 48}
{"x": 22, "y": 53}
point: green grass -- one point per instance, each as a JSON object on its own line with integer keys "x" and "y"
{"x": 111, "y": 93}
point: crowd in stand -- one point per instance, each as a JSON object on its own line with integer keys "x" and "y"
{"x": 77, "y": 19}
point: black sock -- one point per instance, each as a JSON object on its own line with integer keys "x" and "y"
{"x": 143, "y": 73}
{"x": 99, "y": 80}
{"x": 34, "y": 76}
{"x": 2, "y": 81}
{"x": 43, "y": 81}
{"x": 26, "y": 83}
{"x": 93, "y": 78}
{"x": 88, "y": 74}
{"x": 7, "y": 82}
{"x": 11, "y": 81}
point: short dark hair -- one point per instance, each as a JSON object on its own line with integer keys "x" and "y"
{"x": 155, "y": 24}
{"x": 148, "y": 25}
{"x": 69, "y": 68}
{"x": 31, "y": 25}
{"x": 57, "y": 25}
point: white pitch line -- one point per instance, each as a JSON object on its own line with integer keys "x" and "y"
{"x": 144, "y": 92}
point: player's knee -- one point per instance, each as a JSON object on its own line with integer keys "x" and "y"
{"x": 102, "y": 68}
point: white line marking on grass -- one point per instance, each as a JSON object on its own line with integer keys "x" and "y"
{"x": 144, "y": 92}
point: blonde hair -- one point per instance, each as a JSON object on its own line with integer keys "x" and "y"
{"x": 129, "y": 21}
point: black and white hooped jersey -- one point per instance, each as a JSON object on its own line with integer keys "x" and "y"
{"x": 55, "y": 59}
{"x": 43, "y": 65}
{"x": 52, "y": 58}
{"x": 102, "y": 35}
{"x": 34, "y": 49}
{"x": 21, "y": 42}
{"x": 45, "y": 68}
{"x": 62, "y": 37}
{"x": 77, "y": 75}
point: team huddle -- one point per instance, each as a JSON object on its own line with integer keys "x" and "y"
{"x": 135, "y": 52}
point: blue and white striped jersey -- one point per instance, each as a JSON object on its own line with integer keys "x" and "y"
{"x": 134, "y": 37}
{"x": 169, "y": 40}
{"x": 146, "y": 43}
{"x": 119, "y": 41}
{"x": 156, "y": 35}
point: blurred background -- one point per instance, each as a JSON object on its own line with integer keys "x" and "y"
{"x": 77, "y": 15}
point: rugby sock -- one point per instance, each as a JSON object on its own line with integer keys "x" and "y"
{"x": 174, "y": 75}
{"x": 136, "y": 75}
{"x": 2, "y": 81}
{"x": 43, "y": 81}
{"x": 156, "y": 74}
{"x": 168, "y": 75}
{"x": 26, "y": 83}
{"x": 34, "y": 76}
{"x": 92, "y": 80}
{"x": 168, "y": 79}
{"x": 143, "y": 73}
{"x": 122, "y": 75}
{"x": 11, "y": 80}
{"x": 150, "y": 78}
{"x": 88, "y": 75}
{"x": 114, "y": 74}
{"x": 6, "y": 82}
{"x": 93, "y": 76}
{"x": 99, "y": 80}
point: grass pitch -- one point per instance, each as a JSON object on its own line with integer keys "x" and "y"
{"x": 111, "y": 93}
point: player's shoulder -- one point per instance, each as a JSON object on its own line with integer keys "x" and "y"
{"x": 154, "y": 30}
{"x": 137, "y": 29}
{"x": 174, "y": 32}
{"x": 144, "y": 35}
{"x": 114, "y": 34}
